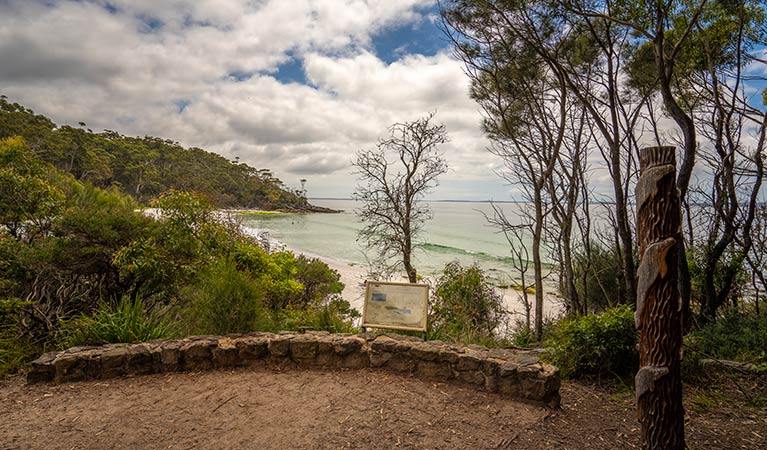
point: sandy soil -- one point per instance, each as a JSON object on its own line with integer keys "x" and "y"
{"x": 292, "y": 409}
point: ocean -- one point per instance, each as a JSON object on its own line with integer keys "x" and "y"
{"x": 458, "y": 231}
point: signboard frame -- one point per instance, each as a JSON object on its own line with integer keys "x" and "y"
{"x": 424, "y": 306}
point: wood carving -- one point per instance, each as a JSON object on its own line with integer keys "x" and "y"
{"x": 658, "y": 316}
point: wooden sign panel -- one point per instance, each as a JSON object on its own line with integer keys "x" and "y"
{"x": 397, "y": 306}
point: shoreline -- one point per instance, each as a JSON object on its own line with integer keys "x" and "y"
{"x": 353, "y": 277}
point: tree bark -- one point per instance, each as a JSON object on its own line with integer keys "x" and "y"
{"x": 658, "y": 315}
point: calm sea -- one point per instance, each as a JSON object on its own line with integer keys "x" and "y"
{"x": 457, "y": 231}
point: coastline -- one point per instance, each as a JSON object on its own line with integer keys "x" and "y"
{"x": 353, "y": 277}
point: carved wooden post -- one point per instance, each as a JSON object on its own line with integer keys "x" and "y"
{"x": 658, "y": 315}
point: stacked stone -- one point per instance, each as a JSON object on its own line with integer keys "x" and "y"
{"x": 513, "y": 373}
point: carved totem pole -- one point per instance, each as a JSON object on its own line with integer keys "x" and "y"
{"x": 659, "y": 311}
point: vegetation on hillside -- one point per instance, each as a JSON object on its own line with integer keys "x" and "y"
{"x": 145, "y": 167}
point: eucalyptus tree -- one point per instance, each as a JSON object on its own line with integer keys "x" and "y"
{"x": 671, "y": 41}
{"x": 732, "y": 119}
{"x": 588, "y": 58}
{"x": 526, "y": 104}
{"x": 393, "y": 181}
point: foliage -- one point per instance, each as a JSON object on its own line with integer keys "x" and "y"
{"x": 225, "y": 300}
{"x": 521, "y": 335}
{"x": 16, "y": 348}
{"x": 145, "y": 167}
{"x": 95, "y": 269}
{"x": 599, "y": 287}
{"x": 318, "y": 279}
{"x": 596, "y": 345}
{"x": 394, "y": 178}
{"x": 28, "y": 200}
{"x": 465, "y": 306}
{"x": 127, "y": 321}
{"x": 335, "y": 316}
{"x": 738, "y": 336}
{"x": 729, "y": 262}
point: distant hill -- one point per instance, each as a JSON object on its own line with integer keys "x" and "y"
{"x": 146, "y": 167}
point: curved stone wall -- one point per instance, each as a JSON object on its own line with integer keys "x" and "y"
{"x": 512, "y": 373}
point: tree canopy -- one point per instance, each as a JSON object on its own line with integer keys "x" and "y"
{"x": 145, "y": 167}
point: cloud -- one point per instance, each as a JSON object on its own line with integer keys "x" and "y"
{"x": 206, "y": 73}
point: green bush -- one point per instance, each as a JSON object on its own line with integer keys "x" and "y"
{"x": 734, "y": 336}
{"x": 596, "y": 345}
{"x": 16, "y": 348}
{"x": 334, "y": 316}
{"x": 225, "y": 300}
{"x": 465, "y": 306}
{"x": 127, "y": 321}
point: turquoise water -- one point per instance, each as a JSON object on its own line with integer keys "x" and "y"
{"x": 457, "y": 231}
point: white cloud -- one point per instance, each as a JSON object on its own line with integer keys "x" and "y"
{"x": 127, "y": 65}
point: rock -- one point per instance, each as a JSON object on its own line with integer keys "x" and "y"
{"x": 401, "y": 362}
{"x": 42, "y": 369}
{"x": 513, "y": 373}
{"x": 252, "y": 348}
{"x": 170, "y": 356}
{"x": 139, "y": 360}
{"x": 379, "y": 358}
{"x": 468, "y": 362}
{"x": 346, "y": 345}
{"x": 425, "y": 352}
{"x": 433, "y": 370}
{"x": 226, "y": 353}
{"x": 70, "y": 367}
{"x": 473, "y": 377}
{"x": 303, "y": 349}
{"x": 197, "y": 354}
{"x": 279, "y": 346}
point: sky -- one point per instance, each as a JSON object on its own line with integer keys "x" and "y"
{"x": 295, "y": 86}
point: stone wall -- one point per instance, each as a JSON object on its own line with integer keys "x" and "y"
{"x": 511, "y": 373}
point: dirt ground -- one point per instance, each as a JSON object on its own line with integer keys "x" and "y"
{"x": 364, "y": 409}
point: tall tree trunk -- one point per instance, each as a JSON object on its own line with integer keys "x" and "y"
{"x": 406, "y": 261}
{"x": 658, "y": 314}
{"x": 537, "y": 266}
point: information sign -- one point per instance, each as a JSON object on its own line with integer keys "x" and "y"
{"x": 398, "y": 306}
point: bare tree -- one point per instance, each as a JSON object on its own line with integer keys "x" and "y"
{"x": 393, "y": 180}
{"x": 515, "y": 236}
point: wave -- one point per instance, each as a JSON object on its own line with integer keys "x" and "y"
{"x": 455, "y": 251}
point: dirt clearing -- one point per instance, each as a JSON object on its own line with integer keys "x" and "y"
{"x": 305, "y": 409}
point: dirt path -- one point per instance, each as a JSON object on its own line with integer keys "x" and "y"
{"x": 292, "y": 409}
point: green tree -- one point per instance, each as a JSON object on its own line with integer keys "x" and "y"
{"x": 28, "y": 200}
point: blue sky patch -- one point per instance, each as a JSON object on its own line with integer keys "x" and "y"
{"x": 291, "y": 71}
{"x": 424, "y": 38}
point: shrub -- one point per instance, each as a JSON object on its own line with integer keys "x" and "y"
{"x": 319, "y": 280}
{"x": 735, "y": 336}
{"x": 465, "y": 306}
{"x": 596, "y": 345}
{"x": 127, "y": 321}
{"x": 334, "y": 316}
{"x": 225, "y": 300}
{"x": 16, "y": 348}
